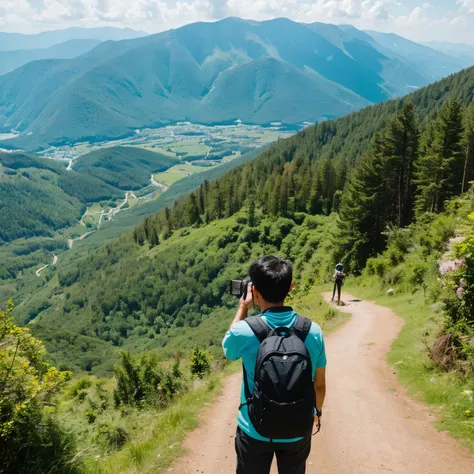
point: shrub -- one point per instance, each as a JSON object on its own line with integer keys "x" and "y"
{"x": 418, "y": 277}
{"x": 330, "y": 314}
{"x": 111, "y": 437}
{"x": 145, "y": 382}
{"x": 377, "y": 266}
{"x": 31, "y": 440}
{"x": 200, "y": 362}
{"x": 456, "y": 339}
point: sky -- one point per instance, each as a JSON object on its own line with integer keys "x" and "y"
{"x": 443, "y": 20}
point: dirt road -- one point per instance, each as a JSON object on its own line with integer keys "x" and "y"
{"x": 369, "y": 424}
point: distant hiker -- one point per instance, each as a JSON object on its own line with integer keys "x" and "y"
{"x": 338, "y": 277}
{"x": 284, "y": 374}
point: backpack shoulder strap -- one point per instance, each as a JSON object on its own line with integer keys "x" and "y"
{"x": 259, "y": 328}
{"x": 302, "y": 327}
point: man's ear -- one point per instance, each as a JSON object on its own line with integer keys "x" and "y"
{"x": 255, "y": 293}
{"x": 292, "y": 286}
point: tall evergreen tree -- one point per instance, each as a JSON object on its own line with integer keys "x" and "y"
{"x": 364, "y": 213}
{"x": 154, "y": 239}
{"x": 314, "y": 202}
{"x": 192, "y": 210}
{"x": 251, "y": 216}
{"x": 441, "y": 164}
{"x": 468, "y": 146}
{"x": 401, "y": 147}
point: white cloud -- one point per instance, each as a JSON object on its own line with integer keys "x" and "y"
{"x": 467, "y": 5}
{"x": 410, "y": 17}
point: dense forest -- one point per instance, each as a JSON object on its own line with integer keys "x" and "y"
{"x": 127, "y": 168}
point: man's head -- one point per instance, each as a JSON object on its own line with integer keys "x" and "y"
{"x": 272, "y": 279}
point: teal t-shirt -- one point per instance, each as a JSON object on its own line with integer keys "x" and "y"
{"x": 240, "y": 341}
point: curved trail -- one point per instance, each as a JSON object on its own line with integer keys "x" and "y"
{"x": 55, "y": 261}
{"x": 369, "y": 424}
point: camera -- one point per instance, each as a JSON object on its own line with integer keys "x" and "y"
{"x": 239, "y": 288}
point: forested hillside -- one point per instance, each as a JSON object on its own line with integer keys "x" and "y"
{"x": 126, "y": 168}
{"x": 330, "y": 192}
{"x": 39, "y": 196}
{"x": 43, "y": 196}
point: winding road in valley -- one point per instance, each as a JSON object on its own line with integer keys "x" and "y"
{"x": 54, "y": 262}
{"x": 369, "y": 425}
{"x": 157, "y": 184}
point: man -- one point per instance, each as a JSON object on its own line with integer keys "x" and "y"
{"x": 338, "y": 277}
{"x": 271, "y": 279}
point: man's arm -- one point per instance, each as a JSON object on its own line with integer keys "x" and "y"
{"x": 242, "y": 312}
{"x": 320, "y": 390}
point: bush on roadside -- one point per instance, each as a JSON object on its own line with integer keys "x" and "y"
{"x": 200, "y": 362}
{"x": 31, "y": 439}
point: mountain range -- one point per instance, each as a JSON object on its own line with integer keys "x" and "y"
{"x": 11, "y": 60}
{"x": 258, "y": 72}
{"x": 461, "y": 51}
{"x": 18, "y": 49}
{"x": 46, "y": 39}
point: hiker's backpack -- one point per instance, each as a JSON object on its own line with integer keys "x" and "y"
{"x": 283, "y": 399}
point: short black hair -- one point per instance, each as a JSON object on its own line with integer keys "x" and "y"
{"x": 272, "y": 277}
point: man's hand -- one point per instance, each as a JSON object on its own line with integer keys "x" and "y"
{"x": 317, "y": 424}
{"x": 244, "y": 306}
{"x": 248, "y": 301}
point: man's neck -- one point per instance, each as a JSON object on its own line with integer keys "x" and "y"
{"x": 264, "y": 306}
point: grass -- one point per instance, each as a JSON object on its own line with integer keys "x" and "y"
{"x": 444, "y": 392}
{"x": 313, "y": 306}
{"x": 191, "y": 147}
{"x": 159, "y": 434}
{"x": 178, "y": 172}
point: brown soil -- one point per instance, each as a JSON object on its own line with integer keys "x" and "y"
{"x": 369, "y": 424}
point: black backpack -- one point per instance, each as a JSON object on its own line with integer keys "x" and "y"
{"x": 283, "y": 399}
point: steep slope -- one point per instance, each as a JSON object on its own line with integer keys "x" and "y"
{"x": 10, "y": 60}
{"x": 186, "y": 74}
{"x": 46, "y": 39}
{"x": 250, "y": 91}
{"x": 280, "y": 202}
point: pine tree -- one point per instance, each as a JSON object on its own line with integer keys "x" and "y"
{"x": 154, "y": 240}
{"x": 401, "y": 143}
{"x": 251, "y": 216}
{"x": 168, "y": 219}
{"x": 147, "y": 227}
{"x": 342, "y": 174}
{"x": 275, "y": 197}
{"x": 364, "y": 213}
{"x": 314, "y": 203}
{"x": 440, "y": 167}
{"x": 192, "y": 211}
{"x": 201, "y": 202}
{"x": 468, "y": 146}
{"x": 328, "y": 183}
